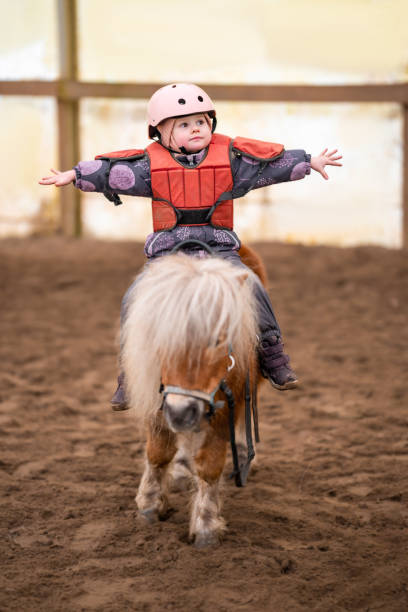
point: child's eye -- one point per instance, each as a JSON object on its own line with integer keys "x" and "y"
{"x": 200, "y": 121}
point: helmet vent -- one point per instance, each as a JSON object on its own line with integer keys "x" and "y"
{"x": 200, "y": 98}
{"x": 181, "y": 101}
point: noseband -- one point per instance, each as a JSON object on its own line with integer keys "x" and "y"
{"x": 209, "y": 398}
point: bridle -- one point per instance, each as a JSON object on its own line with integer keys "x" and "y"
{"x": 209, "y": 398}
{"x": 240, "y": 472}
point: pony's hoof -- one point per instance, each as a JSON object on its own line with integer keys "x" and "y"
{"x": 150, "y": 516}
{"x": 206, "y": 540}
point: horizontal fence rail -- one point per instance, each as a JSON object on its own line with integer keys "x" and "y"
{"x": 69, "y": 90}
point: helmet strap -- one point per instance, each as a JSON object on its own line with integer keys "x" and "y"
{"x": 182, "y": 149}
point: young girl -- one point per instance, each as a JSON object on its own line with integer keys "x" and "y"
{"x": 193, "y": 175}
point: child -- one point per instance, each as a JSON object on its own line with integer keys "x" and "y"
{"x": 192, "y": 175}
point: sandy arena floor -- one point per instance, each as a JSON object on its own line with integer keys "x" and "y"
{"x": 323, "y": 522}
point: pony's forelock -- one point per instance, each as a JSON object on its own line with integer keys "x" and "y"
{"x": 180, "y": 306}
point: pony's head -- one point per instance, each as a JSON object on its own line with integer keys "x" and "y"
{"x": 190, "y": 388}
{"x": 189, "y": 320}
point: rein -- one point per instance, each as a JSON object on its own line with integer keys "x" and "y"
{"x": 240, "y": 472}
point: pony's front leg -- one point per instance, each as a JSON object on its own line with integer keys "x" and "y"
{"x": 206, "y": 524}
{"x": 151, "y": 498}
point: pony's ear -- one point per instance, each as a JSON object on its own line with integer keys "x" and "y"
{"x": 242, "y": 276}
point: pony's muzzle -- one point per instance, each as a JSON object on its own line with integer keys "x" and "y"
{"x": 183, "y": 413}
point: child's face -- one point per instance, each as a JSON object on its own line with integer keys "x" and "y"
{"x": 192, "y": 132}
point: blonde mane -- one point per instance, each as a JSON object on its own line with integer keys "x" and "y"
{"x": 180, "y": 305}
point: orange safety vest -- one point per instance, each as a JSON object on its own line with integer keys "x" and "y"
{"x": 201, "y": 195}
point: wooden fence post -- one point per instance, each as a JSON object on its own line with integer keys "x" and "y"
{"x": 405, "y": 176}
{"x": 68, "y": 116}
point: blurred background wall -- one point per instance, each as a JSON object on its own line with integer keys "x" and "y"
{"x": 237, "y": 41}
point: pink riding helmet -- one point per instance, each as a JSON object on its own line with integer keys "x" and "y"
{"x": 176, "y": 100}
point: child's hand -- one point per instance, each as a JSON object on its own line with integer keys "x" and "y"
{"x": 324, "y": 159}
{"x": 60, "y": 178}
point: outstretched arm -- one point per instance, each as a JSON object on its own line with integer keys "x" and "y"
{"x": 325, "y": 159}
{"x": 292, "y": 165}
{"x": 123, "y": 177}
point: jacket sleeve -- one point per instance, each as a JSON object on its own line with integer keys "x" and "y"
{"x": 122, "y": 177}
{"x": 292, "y": 165}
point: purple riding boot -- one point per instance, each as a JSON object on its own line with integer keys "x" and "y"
{"x": 118, "y": 401}
{"x": 275, "y": 363}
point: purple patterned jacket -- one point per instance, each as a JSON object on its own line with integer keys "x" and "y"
{"x": 133, "y": 178}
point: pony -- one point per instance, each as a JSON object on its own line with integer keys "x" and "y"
{"x": 190, "y": 329}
